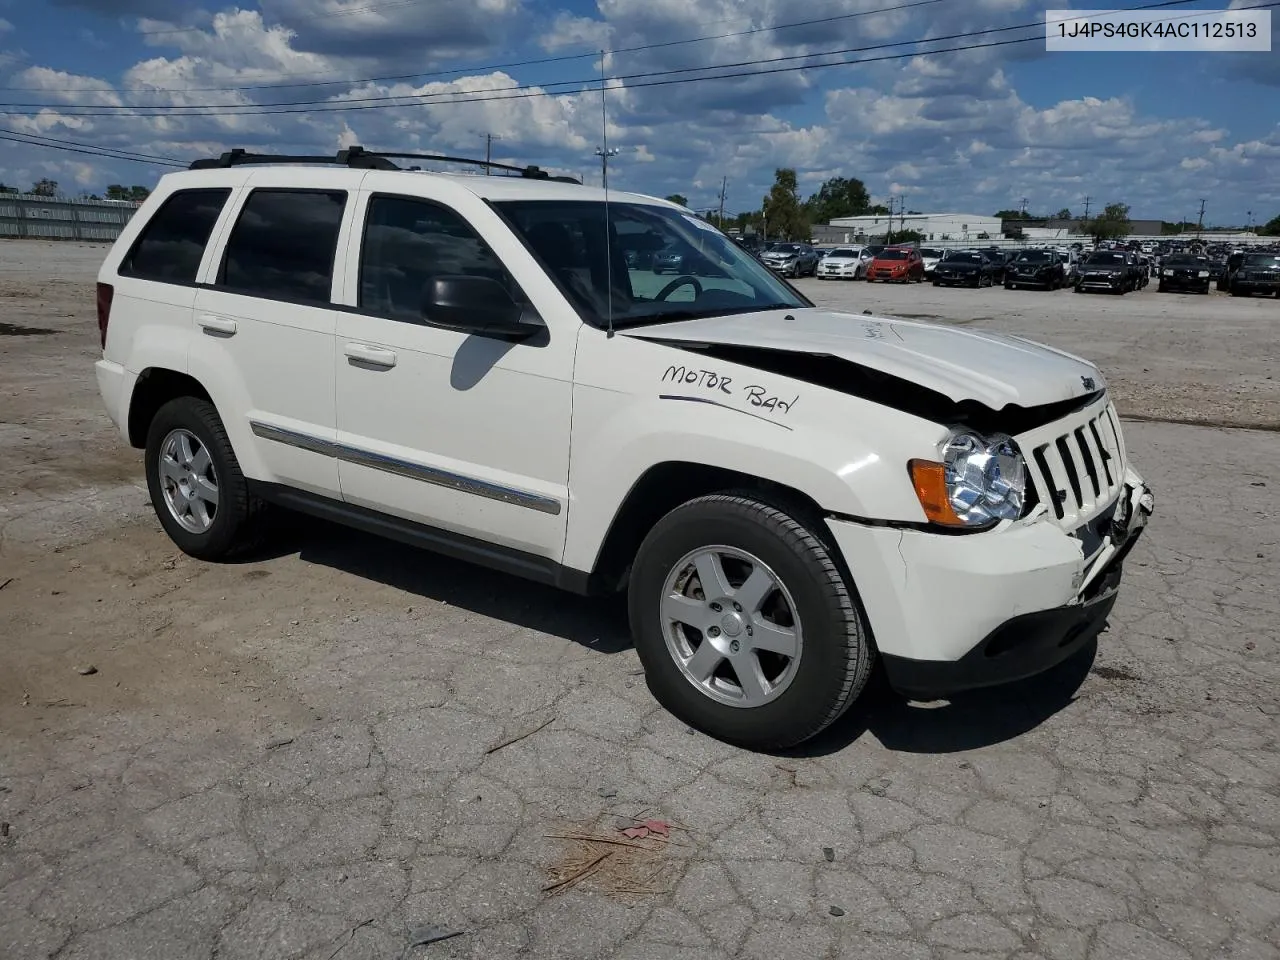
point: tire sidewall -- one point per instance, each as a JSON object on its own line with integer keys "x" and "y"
{"x": 818, "y": 684}
{"x": 188, "y": 414}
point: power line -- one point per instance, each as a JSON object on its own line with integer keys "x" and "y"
{"x": 527, "y": 91}
{"x": 501, "y": 66}
{"x": 68, "y": 146}
{"x": 519, "y": 91}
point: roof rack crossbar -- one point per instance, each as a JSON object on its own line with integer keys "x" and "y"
{"x": 362, "y": 159}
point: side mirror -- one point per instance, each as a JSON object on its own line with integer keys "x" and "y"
{"x": 479, "y": 305}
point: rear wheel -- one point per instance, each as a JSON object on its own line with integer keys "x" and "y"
{"x": 198, "y": 492}
{"x": 745, "y": 624}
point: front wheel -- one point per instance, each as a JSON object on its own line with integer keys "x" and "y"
{"x": 197, "y": 489}
{"x": 744, "y": 623}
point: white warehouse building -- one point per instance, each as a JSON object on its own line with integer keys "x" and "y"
{"x": 931, "y": 226}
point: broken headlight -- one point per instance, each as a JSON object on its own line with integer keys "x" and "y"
{"x": 979, "y": 481}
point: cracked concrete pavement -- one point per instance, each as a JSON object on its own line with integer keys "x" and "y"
{"x": 295, "y": 757}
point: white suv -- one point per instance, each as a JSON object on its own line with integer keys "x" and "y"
{"x": 488, "y": 367}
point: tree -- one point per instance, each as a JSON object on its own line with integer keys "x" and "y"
{"x": 7, "y": 189}
{"x": 838, "y": 197}
{"x": 1012, "y": 215}
{"x": 784, "y": 215}
{"x": 118, "y": 191}
{"x": 908, "y": 236}
{"x": 1271, "y": 228}
{"x": 878, "y": 210}
{"x": 1111, "y": 224}
{"x": 677, "y": 198}
{"x": 45, "y": 188}
{"x": 1063, "y": 214}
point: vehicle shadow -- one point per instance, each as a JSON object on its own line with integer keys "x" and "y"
{"x": 599, "y": 623}
{"x": 968, "y": 721}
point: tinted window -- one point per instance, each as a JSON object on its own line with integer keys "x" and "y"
{"x": 282, "y": 246}
{"x": 1034, "y": 256}
{"x": 172, "y": 244}
{"x": 892, "y": 255}
{"x": 1263, "y": 260}
{"x": 408, "y": 243}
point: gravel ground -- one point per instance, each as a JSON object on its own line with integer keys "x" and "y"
{"x": 321, "y": 752}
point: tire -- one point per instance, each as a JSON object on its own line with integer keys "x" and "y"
{"x": 236, "y": 524}
{"x": 1236, "y": 291}
{"x": 1079, "y": 289}
{"x": 1009, "y": 286}
{"x": 936, "y": 283}
{"x": 1160, "y": 287}
{"x": 836, "y": 654}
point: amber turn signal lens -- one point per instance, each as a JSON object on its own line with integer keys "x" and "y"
{"x": 930, "y": 480}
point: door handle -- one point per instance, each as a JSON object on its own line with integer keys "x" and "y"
{"x": 373, "y": 356}
{"x": 214, "y": 324}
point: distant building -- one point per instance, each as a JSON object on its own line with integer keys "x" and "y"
{"x": 27, "y": 216}
{"x": 1049, "y": 228}
{"x": 931, "y": 226}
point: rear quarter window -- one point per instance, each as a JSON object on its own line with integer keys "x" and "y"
{"x": 171, "y": 245}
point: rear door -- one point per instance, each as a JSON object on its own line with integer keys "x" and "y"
{"x": 265, "y": 323}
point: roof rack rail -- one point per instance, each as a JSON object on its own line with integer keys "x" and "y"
{"x": 361, "y": 159}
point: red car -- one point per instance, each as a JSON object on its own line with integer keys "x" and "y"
{"x": 897, "y": 264}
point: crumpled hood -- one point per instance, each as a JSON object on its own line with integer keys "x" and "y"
{"x": 993, "y": 369}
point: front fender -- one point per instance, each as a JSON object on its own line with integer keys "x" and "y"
{"x": 847, "y": 454}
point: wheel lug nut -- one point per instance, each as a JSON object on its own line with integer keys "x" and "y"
{"x": 716, "y": 607}
{"x": 737, "y": 606}
{"x": 733, "y": 647}
{"x": 750, "y": 632}
{"x": 713, "y": 632}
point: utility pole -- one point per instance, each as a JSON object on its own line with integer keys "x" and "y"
{"x": 604, "y": 156}
{"x": 724, "y": 184}
{"x": 1023, "y": 208}
{"x": 488, "y": 150}
{"x": 903, "y": 211}
{"x": 1200, "y": 221}
{"x": 1087, "y": 200}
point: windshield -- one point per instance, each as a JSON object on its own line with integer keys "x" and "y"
{"x": 964, "y": 258}
{"x": 1263, "y": 260}
{"x": 891, "y": 255}
{"x": 931, "y": 253}
{"x": 786, "y": 248}
{"x": 1106, "y": 259}
{"x": 1186, "y": 261}
{"x": 1033, "y": 256}
{"x": 716, "y": 277}
{"x": 847, "y": 253}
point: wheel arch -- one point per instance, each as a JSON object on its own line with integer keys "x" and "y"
{"x": 665, "y": 486}
{"x": 155, "y": 387}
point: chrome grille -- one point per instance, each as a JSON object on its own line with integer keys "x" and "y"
{"x": 1077, "y": 465}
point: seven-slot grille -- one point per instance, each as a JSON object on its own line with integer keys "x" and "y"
{"x": 1077, "y": 467}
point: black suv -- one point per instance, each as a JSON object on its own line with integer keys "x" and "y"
{"x": 1035, "y": 268}
{"x": 1108, "y": 270}
{"x": 1183, "y": 271}
{"x": 1259, "y": 273}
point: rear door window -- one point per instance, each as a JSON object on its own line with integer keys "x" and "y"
{"x": 171, "y": 245}
{"x": 283, "y": 244}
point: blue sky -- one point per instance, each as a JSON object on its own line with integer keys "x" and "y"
{"x": 971, "y": 131}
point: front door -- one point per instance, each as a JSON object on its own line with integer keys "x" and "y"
{"x": 461, "y": 432}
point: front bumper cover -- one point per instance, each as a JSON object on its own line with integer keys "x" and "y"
{"x": 955, "y": 613}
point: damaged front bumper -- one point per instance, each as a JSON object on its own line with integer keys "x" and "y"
{"x": 952, "y": 613}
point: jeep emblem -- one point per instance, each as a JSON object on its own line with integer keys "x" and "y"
{"x": 1088, "y": 383}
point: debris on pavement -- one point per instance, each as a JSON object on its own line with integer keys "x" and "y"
{"x": 836, "y": 911}
{"x": 630, "y": 867}
{"x": 829, "y": 854}
{"x": 428, "y": 934}
{"x": 4, "y": 828}
{"x": 607, "y": 793}
{"x": 87, "y": 670}
{"x": 6, "y": 583}
{"x": 520, "y": 736}
{"x": 274, "y": 744}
